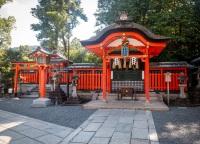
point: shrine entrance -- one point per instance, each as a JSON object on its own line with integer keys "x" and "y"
{"x": 129, "y": 75}
{"x": 125, "y": 48}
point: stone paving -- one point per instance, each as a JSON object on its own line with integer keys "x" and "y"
{"x": 116, "y": 126}
{"x": 18, "y": 129}
{"x": 105, "y": 126}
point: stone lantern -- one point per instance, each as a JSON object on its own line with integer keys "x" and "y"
{"x": 74, "y": 98}
{"x": 197, "y": 88}
{"x": 75, "y": 79}
{"x": 182, "y": 84}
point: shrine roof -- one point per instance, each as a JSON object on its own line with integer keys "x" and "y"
{"x": 42, "y": 50}
{"x": 168, "y": 64}
{"x": 125, "y": 26}
{"x": 59, "y": 60}
{"x": 85, "y": 65}
{"x": 196, "y": 61}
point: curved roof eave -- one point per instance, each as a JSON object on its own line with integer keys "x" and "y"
{"x": 42, "y": 50}
{"x": 125, "y": 27}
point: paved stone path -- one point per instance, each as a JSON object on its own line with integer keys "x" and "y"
{"x": 105, "y": 126}
{"x": 18, "y": 129}
{"x": 115, "y": 126}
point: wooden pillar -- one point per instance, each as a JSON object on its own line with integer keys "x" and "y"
{"x": 104, "y": 78}
{"x": 42, "y": 85}
{"x": 147, "y": 78}
{"x": 16, "y": 78}
{"x": 109, "y": 77}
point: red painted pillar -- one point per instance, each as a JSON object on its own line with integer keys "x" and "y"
{"x": 147, "y": 78}
{"x": 42, "y": 82}
{"x": 109, "y": 77}
{"x": 104, "y": 78}
{"x": 16, "y": 78}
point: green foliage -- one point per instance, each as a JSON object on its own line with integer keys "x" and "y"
{"x": 9, "y": 55}
{"x": 78, "y": 54}
{"x": 52, "y": 24}
{"x": 178, "y": 19}
{"x": 2, "y": 2}
{"x": 6, "y": 25}
{"x": 91, "y": 57}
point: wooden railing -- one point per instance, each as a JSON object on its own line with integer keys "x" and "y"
{"x": 157, "y": 78}
{"x": 157, "y": 82}
{"x": 91, "y": 79}
{"x": 30, "y": 77}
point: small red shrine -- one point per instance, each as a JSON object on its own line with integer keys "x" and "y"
{"x": 44, "y": 63}
{"x": 127, "y": 43}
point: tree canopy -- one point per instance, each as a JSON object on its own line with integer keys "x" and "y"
{"x": 78, "y": 54}
{"x": 178, "y": 19}
{"x": 6, "y": 25}
{"x": 52, "y": 24}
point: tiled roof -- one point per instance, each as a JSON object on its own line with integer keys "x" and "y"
{"x": 42, "y": 50}
{"x": 85, "y": 65}
{"x": 124, "y": 26}
{"x": 196, "y": 61}
{"x": 168, "y": 64}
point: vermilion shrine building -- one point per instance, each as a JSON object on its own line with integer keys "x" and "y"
{"x": 125, "y": 48}
{"x": 126, "y": 40}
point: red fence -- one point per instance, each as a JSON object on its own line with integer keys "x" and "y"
{"x": 30, "y": 77}
{"x": 92, "y": 78}
{"x": 157, "y": 78}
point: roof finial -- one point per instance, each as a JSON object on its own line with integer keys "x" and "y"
{"x": 123, "y": 17}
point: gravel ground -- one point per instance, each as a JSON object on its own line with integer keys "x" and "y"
{"x": 178, "y": 125}
{"x": 69, "y": 116}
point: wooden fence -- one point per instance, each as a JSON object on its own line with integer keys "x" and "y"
{"x": 91, "y": 79}
{"x": 157, "y": 78}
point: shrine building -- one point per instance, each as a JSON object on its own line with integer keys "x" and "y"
{"x": 125, "y": 48}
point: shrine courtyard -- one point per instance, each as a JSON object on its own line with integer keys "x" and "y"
{"x": 21, "y": 123}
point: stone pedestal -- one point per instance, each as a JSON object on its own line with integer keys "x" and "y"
{"x": 73, "y": 101}
{"x": 74, "y": 93}
{"x": 182, "y": 92}
{"x": 41, "y": 102}
{"x": 57, "y": 96}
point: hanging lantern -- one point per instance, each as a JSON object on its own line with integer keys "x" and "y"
{"x": 125, "y": 49}
{"x": 133, "y": 60}
{"x": 116, "y": 61}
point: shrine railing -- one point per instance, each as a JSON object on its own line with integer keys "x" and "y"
{"x": 91, "y": 79}
{"x": 157, "y": 78}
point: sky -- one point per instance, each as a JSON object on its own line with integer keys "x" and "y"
{"x": 23, "y": 35}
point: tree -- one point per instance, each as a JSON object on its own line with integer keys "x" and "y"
{"x": 3, "y": 2}
{"x": 9, "y": 55}
{"x": 109, "y": 10}
{"x": 78, "y": 54}
{"x": 52, "y": 24}
{"x": 76, "y": 51}
{"x": 6, "y": 25}
{"x": 177, "y": 19}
